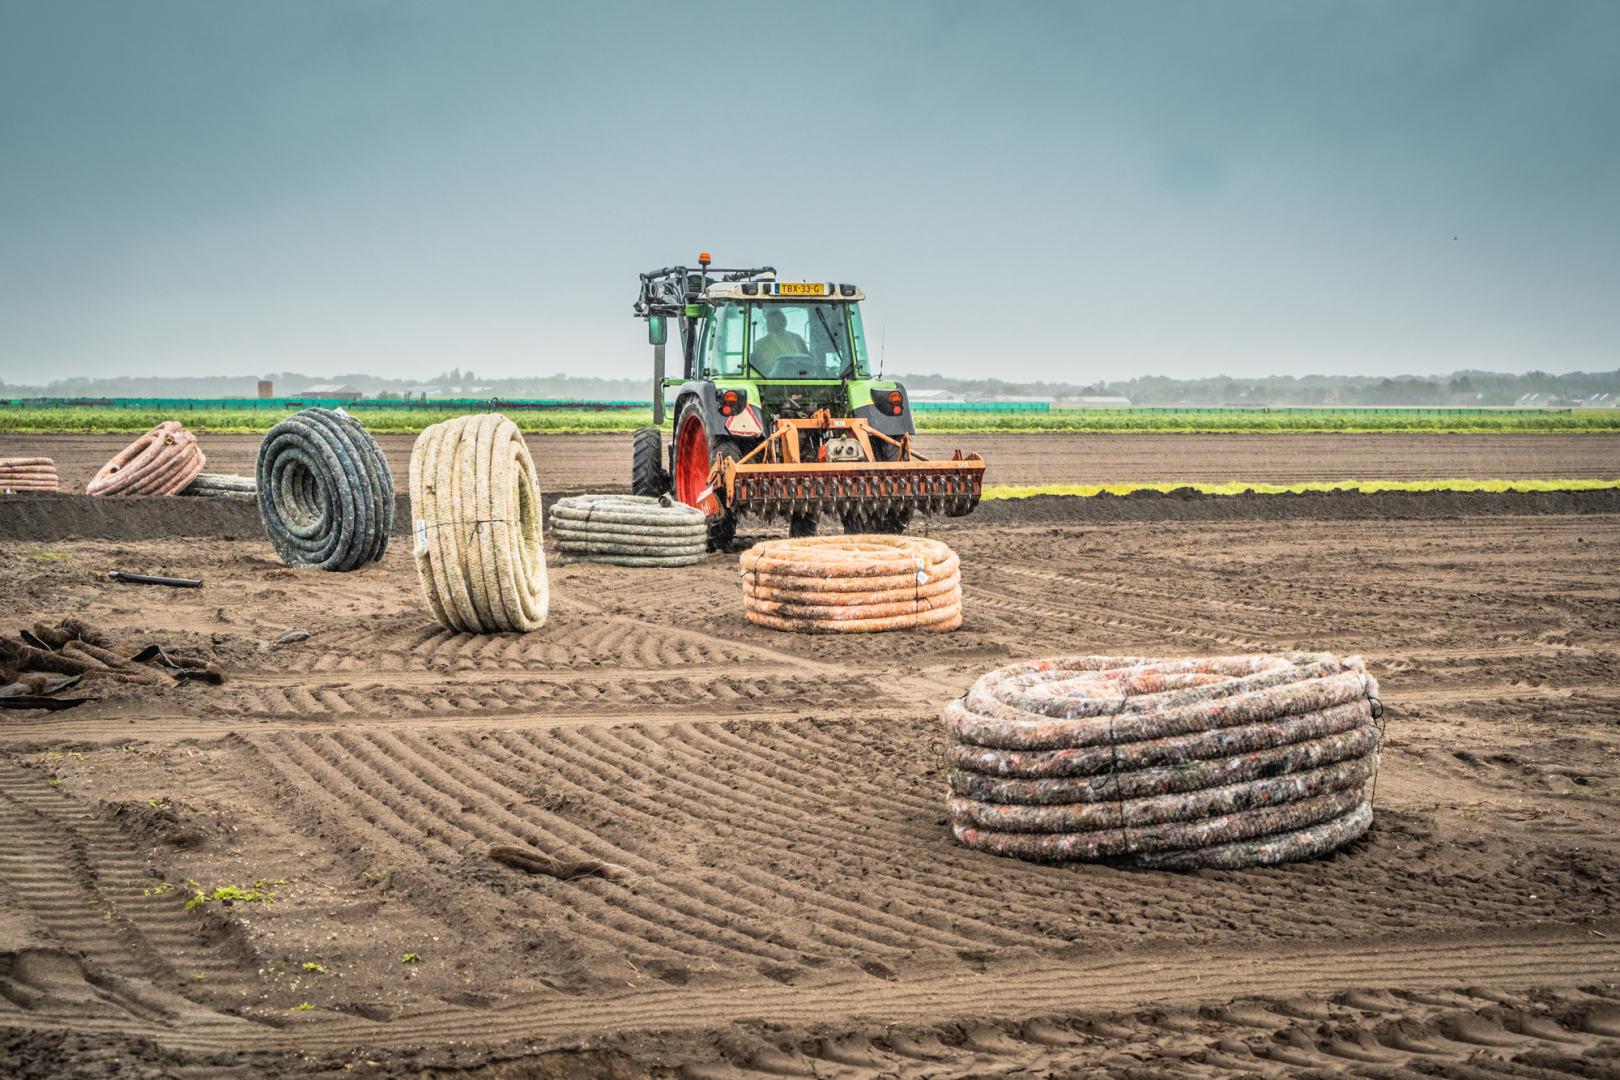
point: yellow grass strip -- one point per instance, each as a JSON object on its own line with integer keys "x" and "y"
{"x": 1021, "y": 491}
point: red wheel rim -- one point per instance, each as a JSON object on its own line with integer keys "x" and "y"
{"x": 691, "y": 461}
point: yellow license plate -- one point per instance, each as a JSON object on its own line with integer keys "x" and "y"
{"x": 802, "y": 289}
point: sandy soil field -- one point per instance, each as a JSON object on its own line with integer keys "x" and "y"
{"x": 597, "y": 462}
{"x": 800, "y": 907}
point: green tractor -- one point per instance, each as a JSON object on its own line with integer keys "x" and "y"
{"x": 777, "y": 413}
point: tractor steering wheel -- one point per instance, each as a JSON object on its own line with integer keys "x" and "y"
{"x": 789, "y": 365}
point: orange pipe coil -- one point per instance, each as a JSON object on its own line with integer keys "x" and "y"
{"x": 852, "y": 584}
{"x": 27, "y": 474}
{"x": 161, "y": 462}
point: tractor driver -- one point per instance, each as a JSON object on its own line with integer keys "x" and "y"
{"x": 778, "y": 341}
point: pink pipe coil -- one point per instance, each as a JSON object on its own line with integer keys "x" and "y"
{"x": 1226, "y": 762}
{"x": 161, "y": 462}
{"x": 28, "y": 474}
{"x": 852, "y": 585}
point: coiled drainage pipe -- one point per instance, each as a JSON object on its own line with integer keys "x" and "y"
{"x": 161, "y": 462}
{"x": 1175, "y": 764}
{"x": 216, "y": 485}
{"x": 326, "y": 496}
{"x": 852, "y": 584}
{"x": 629, "y": 530}
{"x": 475, "y": 505}
{"x": 27, "y": 474}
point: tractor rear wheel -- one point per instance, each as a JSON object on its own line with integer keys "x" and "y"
{"x": 647, "y": 475}
{"x": 695, "y": 455}
{"x": 723, "y": 526}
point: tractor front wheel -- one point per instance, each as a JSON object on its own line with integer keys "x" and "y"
{"x": 647, "y": 475}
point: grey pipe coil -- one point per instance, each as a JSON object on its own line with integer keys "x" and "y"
{"x": 213, "y": 485}
{"x": 1171, "y": 764}
{"x": 629, "y": 530}
{"x": 326, "y": 496}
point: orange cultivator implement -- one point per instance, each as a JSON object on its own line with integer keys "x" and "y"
{"x": 857, "y": 472}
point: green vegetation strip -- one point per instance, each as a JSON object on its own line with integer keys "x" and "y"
{"x": 1015, "y": 491}
{"x": 247, "y": 422}
{"x": 1125, "y": 422}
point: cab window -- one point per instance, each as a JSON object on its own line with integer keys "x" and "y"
{"x": 863, "y": 366}
{"x": 799, "y": 341}
{"x": 726, "y": 335}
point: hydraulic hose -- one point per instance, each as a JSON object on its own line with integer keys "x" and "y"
{"x": 326, "y": 496}
{"x": 629, "y": 530}
{"x": 476, "y": 507}
{"x": 161, "y": 462}
{"x": 27, "y": 474}
{"x": 1176, "y": 764}
{"x": 852, "y": 584}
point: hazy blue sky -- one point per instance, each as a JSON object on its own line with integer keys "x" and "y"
{"x": 1063, "y": 191}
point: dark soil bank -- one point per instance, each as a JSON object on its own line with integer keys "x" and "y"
{"x": 45, "y": 518}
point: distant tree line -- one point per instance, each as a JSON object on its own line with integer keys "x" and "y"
{"x": 1459, "y": 388}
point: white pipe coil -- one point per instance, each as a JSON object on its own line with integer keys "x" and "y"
{"x": 475, "y": 505}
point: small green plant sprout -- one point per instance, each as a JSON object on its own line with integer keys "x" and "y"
{"x": 332, "y": 936}
{"x": 44, "y": 556}
{"x": 159, "y": 803}
{"x": 261, "y": 883}
{"x": 130, "y": 749}
{"x": 229, "y": 894}
{"x": 76, "y": 755}
{"x": 411, "y": 958}
{"x": 53, "y": 781}
{"x": 305, "y": 1007}
{"x": 315, "y": 969}
{"x": 53, "y": 755}
{"x": 197, "y": 977}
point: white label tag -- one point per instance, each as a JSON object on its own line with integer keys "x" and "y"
{"x": 922, "y": 578}
{"x": 421, "y": 537}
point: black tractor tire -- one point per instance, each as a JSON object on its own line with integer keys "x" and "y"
{"x": 722, "y": 531}
{"x": 647, "y": 475}
{"x": 892, "y": 524}
{"x": 858, "y": 521}
{"x": 723, "y": 526}
{"x": 802, "y": 525}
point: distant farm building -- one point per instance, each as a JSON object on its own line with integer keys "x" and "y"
{"x": 334, "y": 391}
